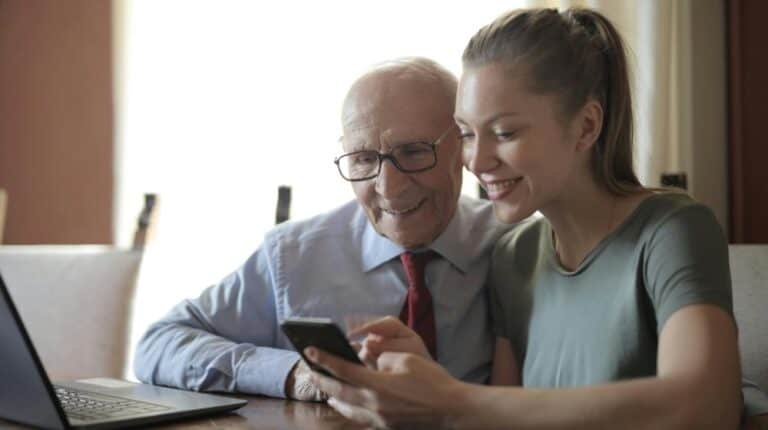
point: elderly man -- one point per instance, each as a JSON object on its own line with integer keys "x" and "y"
{"x": 368, "y": 257}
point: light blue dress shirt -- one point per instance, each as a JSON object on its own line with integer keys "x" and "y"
{"x": 333, "y": 265}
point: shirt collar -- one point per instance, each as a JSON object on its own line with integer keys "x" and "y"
{"x": 378, "y": 250}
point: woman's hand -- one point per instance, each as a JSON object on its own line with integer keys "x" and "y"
{"x": 406, "y": 390}
{"x": 387, "y": 334}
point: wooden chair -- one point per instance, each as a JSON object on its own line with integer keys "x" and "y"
{"x": 145, "y": 221}
{"x": 749, "y": 274}
{"x": 283, "y": 209}
{"x": 75, "y": 301}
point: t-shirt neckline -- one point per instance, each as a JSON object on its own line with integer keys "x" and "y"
{"x": 587, "y": 261}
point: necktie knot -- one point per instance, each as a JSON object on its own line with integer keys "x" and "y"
{"x": 415, "y": 264}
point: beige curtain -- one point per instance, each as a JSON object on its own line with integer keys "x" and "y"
{"x": 677, "y": 54}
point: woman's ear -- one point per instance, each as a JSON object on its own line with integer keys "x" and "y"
{"x": 589, "y": 123}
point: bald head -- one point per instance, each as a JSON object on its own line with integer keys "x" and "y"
{"x": 404, "y": 108}
{"x": 389, "y": 79}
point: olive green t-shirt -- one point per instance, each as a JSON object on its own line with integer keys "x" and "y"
{"x": 601, "y": 322}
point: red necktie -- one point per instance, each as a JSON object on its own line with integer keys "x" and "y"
{"x": 418, "y": 312}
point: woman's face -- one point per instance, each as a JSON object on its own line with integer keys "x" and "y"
{"x": 513, "y": 141}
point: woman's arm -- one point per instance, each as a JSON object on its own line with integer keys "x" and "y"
{"x": 505, "y": 369}
{"x": 697, "y": 386}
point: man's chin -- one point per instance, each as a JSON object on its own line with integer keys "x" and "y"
{"x": 408, "y": 242}
{"x": 409, "y": 230}
{"x": 415, "y": 235}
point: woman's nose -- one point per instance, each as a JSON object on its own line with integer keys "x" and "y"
{"x": 478, "y": 157}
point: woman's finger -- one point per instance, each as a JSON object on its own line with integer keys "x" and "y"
{"x": 368, "y": 357}
{"x": 344, "y": 370}
{"x": 413, "y": 345}
{"x": 349, "y": 394}
{"x": 355, "y": 413}
{"x": 386, "y": 327}
{"x": 396, "y": 361}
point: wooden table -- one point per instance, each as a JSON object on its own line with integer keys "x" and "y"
{"x": 261, "y": 413}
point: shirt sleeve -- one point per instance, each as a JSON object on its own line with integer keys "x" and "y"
{"x": 224, "y": 340}
{"x": 686, "y": 263}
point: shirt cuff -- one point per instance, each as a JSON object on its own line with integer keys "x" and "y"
{"x": 265, "y": 371}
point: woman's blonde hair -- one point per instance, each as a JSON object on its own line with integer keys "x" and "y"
{"x": 576, "y": 55}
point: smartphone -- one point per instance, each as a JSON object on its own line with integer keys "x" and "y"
{"x": 321, "y": 333}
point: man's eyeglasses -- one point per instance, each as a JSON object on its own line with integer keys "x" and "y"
{"x": 410, "y": 157}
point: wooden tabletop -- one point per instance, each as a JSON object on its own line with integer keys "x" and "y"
{"x": 261, "y": 413}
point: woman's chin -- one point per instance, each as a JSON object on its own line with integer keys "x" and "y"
{"x": 511, "y": 214}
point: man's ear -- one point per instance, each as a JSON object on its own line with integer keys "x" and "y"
{"x": 589, "y": 124}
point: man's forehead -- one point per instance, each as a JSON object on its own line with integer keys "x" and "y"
{"x": 367, "y": 136}
{"x": 395, "y": 131}
{"x": 395, "y": 118}
{"x": 390, "y": 108}
{"x": 383, "y": 94}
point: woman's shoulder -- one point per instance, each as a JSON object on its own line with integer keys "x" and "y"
{"x": 523, "y": 244}
{"x": 515, "y": 262}
{"x": 668, "y": 200}
{"x": 527, "y": 233}
{"x": 667, "y": 210}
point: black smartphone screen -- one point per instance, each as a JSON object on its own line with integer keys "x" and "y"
{"x": 321, "y": 333}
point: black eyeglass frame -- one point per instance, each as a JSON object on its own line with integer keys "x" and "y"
{"x": 388, "y": 156}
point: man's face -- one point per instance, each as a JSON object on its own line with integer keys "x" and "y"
{"x": 387, "y": 110}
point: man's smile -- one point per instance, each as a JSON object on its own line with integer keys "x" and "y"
{"x": 404, "y": 210}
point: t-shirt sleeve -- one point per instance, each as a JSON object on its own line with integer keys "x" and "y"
{"x": 686, "y": 263}
{"x": 497, "y": 281}
{"x": 513, "y": 265}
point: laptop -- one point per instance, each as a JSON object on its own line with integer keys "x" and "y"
{"x": 28, "y": 397}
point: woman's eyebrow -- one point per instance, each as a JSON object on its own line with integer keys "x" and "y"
{"x": 495, "y": 117}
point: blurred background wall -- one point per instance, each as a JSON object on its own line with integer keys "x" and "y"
{"x": 58, "y": 132}
{"x": 748, "y": 117}
{"x": 56, "y": 120}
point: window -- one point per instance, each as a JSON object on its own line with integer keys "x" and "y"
{"x": 213, "y": 97}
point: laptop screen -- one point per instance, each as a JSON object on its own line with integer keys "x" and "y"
{"x": 26, "y": 395}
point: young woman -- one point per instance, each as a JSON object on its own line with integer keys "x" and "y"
{"x": 614, "y": 309}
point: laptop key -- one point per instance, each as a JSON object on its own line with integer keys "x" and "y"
{"x": 88, "y": 406}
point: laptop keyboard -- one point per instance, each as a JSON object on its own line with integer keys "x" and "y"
{"x": 89, "y": 406}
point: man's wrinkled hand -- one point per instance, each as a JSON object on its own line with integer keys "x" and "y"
{"x": 298, "y": 385}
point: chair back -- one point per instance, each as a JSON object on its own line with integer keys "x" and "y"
{"x": 749, "y": 273}
{"x": 75, "y": 303}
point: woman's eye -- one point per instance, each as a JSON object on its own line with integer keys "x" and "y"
{"x": 506, "y": 135}
{"x": 466, "y": 136}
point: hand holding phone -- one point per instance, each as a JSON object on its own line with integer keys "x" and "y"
{"x": 320, "y": 333}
